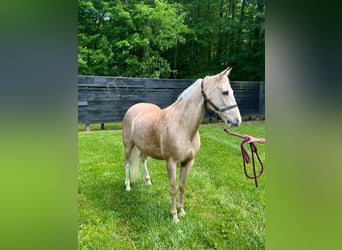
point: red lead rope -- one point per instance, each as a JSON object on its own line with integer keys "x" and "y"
{"x": 245, "y": 156}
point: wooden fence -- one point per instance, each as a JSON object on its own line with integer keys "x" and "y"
{"x": 103, "y": 99}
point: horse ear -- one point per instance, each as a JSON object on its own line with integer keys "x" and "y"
{"x": 225, "y": 72}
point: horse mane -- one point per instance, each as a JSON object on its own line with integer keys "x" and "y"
{"x": 188, "y": 91}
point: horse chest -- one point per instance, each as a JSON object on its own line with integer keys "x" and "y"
{"x": 180, "y": 148}
{"x": 188, "y": 153}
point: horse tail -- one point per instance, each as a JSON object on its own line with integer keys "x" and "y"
{"x": 134, "y": 160}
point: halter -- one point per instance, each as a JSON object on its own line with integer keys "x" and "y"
{"x": 207, "y": 100}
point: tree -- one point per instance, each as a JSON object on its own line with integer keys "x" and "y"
{"x": 126, "y": 38}
{"x": 172, "y": 38}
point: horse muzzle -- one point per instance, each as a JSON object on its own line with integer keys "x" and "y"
{"x": 233, "y": 121}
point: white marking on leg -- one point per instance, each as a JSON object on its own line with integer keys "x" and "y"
{"x": 127, "y": 182}
{"x": 147, "y": 175}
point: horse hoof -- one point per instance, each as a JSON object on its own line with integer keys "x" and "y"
{"x": 182, "y": 212}
{"x": 128, "y": 188}
{"x": 148, "y": 182}
{"x": 175, "y": 220}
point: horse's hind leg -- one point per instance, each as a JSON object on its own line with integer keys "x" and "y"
{"x": 127, "y": 182}
{"x": 184, "y": 171}
{"x": 146, "y": 173}
{"x": 128, "y": 151}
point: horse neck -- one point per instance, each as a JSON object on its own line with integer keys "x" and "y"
{"x": 190, "y": 109}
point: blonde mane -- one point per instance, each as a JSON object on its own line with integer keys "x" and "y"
{"x": 188, "y": 92}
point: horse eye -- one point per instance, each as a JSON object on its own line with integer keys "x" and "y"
{"x": 225, "y": 93}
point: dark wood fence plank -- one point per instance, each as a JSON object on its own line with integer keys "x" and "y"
{"x": 103, "y": 99}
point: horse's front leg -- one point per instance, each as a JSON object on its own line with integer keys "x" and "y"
{"x": 171, "y": 171}
{"x": 182, "y": 183}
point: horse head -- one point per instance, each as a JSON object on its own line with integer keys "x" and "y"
{"x": 219, "y": 97}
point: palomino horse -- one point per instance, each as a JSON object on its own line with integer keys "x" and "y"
{"x": 171, "y": 134}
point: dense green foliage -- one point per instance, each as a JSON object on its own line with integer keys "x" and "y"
{"x": 171, "y": 38}
{"x": 224, "y": 209}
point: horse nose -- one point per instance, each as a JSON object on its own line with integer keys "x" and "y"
{"x": 238, "y": 121}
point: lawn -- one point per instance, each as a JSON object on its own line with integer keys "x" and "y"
{"x": 224, "y": 209}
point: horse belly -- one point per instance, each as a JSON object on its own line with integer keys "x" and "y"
{"x": 149, "y": 148}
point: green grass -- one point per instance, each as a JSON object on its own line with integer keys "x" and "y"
{"x": 107, "y": 126}
{"x": 224, "y": 209}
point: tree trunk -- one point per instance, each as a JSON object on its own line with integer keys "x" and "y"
{"x": 175, "y": 54}
{"x": 232, "y": 18}
{"x": 221, "y": 34}
{"x": 242, "y": 17}
{"x": 239, "y": 32}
